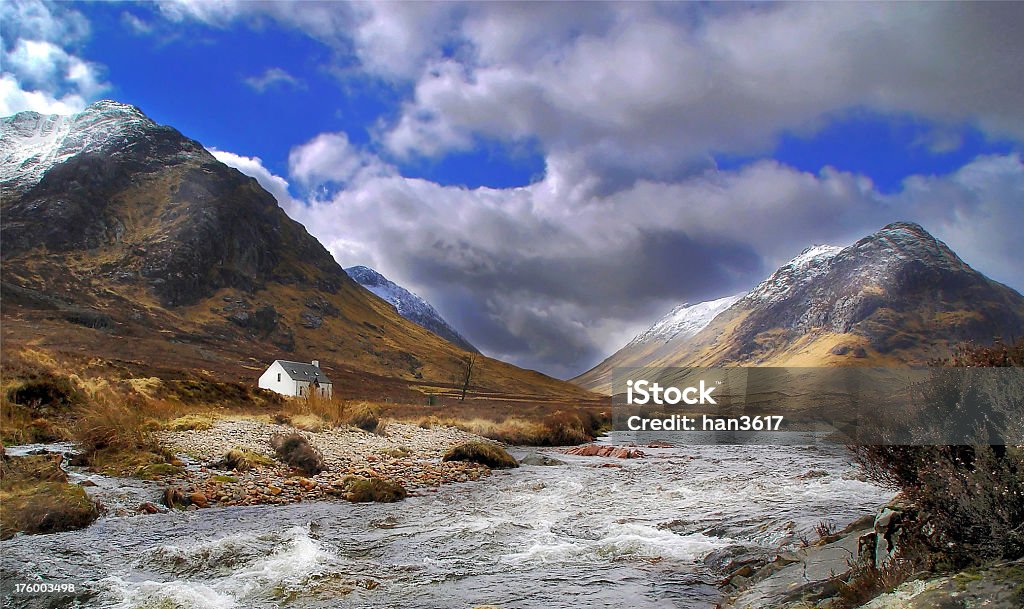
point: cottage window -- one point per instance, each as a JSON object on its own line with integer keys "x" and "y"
{"x": 278, "y": 377}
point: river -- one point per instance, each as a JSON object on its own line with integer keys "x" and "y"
{"x": 643, "y": 533}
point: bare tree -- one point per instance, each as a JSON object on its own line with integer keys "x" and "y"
{"x": 467, "y": 373}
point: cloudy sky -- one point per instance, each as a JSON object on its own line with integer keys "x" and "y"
{"x": 555, "y": 177}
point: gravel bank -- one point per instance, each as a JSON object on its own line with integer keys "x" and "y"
{"x": 407, "y": 454}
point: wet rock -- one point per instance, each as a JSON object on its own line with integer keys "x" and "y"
{"x": 151, "y": 508}
{"x": 539, "y": 459}
{"x": 199, "y": 500}
{"x": 174, "y": 497}
{"x": 594, "y": 450}
{"x": 812, "y": 474}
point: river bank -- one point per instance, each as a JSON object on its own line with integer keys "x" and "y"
{"x": 405, "y": 454}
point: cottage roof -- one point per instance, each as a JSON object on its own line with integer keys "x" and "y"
{"x": 303, "y": 371}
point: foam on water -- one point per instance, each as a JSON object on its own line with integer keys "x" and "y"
{"x": 222, "y": 573}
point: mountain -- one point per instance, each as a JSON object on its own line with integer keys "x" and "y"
{"x": 684, "y": 321}
{"x": 408, "y": 305}
{"x": 124, "y": 241}
{"x": 660, "y": 340}
{"x": 899, "y": 296}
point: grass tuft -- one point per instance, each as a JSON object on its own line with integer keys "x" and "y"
{"x": 484, "y": 453}
{"x": 378, "y": 490}
{"x": 243, "y": 460}
{"x": 295, "y": 450}
{"x": 190, "y": 422}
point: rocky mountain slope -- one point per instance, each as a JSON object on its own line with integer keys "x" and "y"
{"x": 895, "y": 297}
{"x": 126, "y": 242}
{"x": 409, "y": 305}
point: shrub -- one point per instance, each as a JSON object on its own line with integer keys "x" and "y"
{"x": 566, "y": 429}
{"x": 971, "y": 497}
{"x": 484, "y": 453}
{"x": 243, "y": 460}
{"x": 363, "y": 490}
{"x": 866, "y": 581}
{"x": 112, "y": 422}
{"x": 46, "y": 392}
{"x": 364, "y": 416}
{"x": 295, "y": 450}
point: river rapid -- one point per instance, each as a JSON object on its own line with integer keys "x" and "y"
{"x": 640, "y": 533}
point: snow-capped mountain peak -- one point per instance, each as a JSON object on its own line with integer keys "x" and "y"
{"x": 685, "y": 320}
{"x": 409, "y": 305}
{"x": 32, "y": 143}
{"x": 801, "y": 270}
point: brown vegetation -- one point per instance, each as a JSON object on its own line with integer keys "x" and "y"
{"x": 243, "y": 460}
{"x": 295, "y": 450}
{"x": 378, "y": 490}
{"x": 484, "y": 453}
{"x": 37, "y": 498}
{"x": 970, "y": 498}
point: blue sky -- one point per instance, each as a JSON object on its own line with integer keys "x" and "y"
{"x": 554, "y": 177}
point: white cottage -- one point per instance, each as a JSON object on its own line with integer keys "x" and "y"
{"x": 296, "y": 379}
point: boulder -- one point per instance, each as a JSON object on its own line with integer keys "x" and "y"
{"x": 595, "y": 450}
{"x": 539, "y": 459}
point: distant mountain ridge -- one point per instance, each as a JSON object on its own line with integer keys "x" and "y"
{"x": 895, "y": 297}
{"x": 409, "y": 305}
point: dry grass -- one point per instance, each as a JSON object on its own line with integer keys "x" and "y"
{"x": 37, "y": 498}
{"x": 295, "y": 450}
{"x": 330, "y": 411}
{"x": 190, "y": 422}
{"x": 364, "y": 416}
{"x": 484, "y": 453}
{"x": 308, "y": 422}
{"x": 866, "y": 582}
{"x": 558, "y": 428}
{"x": 377, "y": 490}
{"x": 243, "y": 460}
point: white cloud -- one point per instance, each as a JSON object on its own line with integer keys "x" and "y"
{"x": 40, "y": 70}
{"x": 252, "y": 166}
{"x": 14, "y": 99}
{"x": 136, "y": 24}
{"x": 650, "y": 93}
{"x": 331, "y": 157}
{"x": 274, "y": 77}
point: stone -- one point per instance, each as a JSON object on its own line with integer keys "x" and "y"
{"x": 151, "y": 508}
{"x": 539, "y": 459}
{"x": 199, "y": 500}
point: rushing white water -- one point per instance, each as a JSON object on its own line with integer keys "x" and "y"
{"x": 651, "y": 533}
